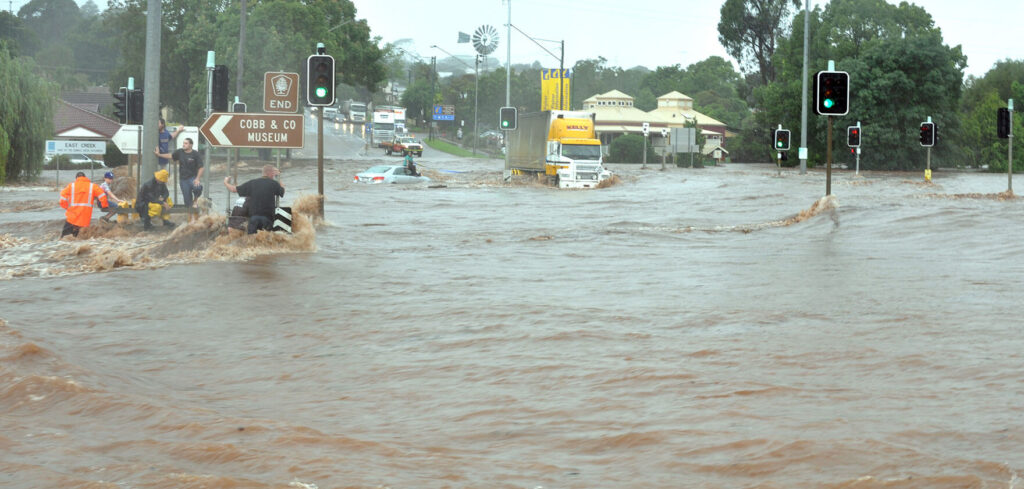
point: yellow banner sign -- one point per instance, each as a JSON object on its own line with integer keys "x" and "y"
{"x": 554, "y": 88}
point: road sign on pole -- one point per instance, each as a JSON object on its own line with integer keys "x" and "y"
{"x": 66, "y": 147}
{"x": 127, "y": 139}
{"x": 280, "y": 92}
{"x": 235, "y": 130}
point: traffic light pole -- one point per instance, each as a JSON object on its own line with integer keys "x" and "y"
{"x": 320, "y": 158}
{"x": 828, "y": 166}
{"x": 1009, "y": 162}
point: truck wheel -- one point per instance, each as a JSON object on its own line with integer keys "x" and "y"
{"x": 419, "y": 154}
{"x": 387, "y": 152}
{"x": 557, "y": 181}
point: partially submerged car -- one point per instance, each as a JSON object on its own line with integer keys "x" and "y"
{"x": 388, "y": 174}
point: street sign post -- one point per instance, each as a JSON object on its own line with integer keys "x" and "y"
{"x": 65, "y": 147}
{"x": 235, "y": 130}
{"x": 280, "y": 92}
{"x": 127, "y": 139}
{"x": 444, "y": 113}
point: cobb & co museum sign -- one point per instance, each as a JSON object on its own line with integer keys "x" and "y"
{"x": 241, "y": 130}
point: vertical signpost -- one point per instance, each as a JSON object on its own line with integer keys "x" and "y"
{"x": 320, "y": 93}
{"x": 831, "y": 98}
{"x": 1004, "y": 130}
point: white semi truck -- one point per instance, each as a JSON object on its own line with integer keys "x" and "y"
{"x": 558, "y": 145}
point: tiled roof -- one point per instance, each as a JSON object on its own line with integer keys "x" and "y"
{"x": 98, "y": 96}
{"x": 69, "y": 116}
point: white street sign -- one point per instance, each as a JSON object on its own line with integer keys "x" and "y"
{"x": 65, "y": 147}
{"x": 127, "y": 139}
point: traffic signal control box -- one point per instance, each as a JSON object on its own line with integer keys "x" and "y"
{"x": 781, "y": 140}
{"x": 927, "y": 134}
{"x": 1003, "y": 123}
{"x": 832, "y": 93}
{"x": 853, "y": 136}
{"x": 507, "y": 118}
{"x": 320, "y": 80}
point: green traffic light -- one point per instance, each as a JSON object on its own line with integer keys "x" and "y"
{"x": 778, "y": 143}
{"x": 321, "y": 92}
{"x": 828, "y": 103}
{"x": 504, "y": 123}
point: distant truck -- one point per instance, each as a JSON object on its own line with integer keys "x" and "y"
{"x": 354, "y": 111}
{"x": 560, "y": 145}
{"x": 398, "y": 116}
{"x": 383, "y": 127}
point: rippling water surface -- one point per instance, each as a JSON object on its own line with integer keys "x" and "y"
{"x": 718, "y": 327}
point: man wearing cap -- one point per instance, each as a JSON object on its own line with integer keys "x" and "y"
{"x": 112, "y": 199}
{"x": 77, "y": 199}
{"x": 153, "y": 192}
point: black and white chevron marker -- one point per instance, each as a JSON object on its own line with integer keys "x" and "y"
{"x": 283, "y": 219}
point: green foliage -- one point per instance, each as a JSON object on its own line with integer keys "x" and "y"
{"x": 26, "y": 117}
{"x": 629, "y": 148}
{"x": 900, "y": 72}
{"x": 749, "y": 30}
{"x": 280, "y": 35}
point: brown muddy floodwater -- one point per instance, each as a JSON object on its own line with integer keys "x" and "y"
{"x": 698, "y": 328}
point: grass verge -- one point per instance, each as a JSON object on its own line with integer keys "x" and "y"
{"x": 451, "y": 148}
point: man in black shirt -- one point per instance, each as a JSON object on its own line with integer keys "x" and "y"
{"x": 190, "y": 171}
{"x": 259, "y": 194}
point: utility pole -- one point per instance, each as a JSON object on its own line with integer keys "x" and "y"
{"x": 508, "y": 78}
{"x": 802, "y": 152}
{"x": 151, "y": 102}
{"x": 241, "y": 52}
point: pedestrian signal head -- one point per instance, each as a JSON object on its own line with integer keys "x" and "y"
{"x": 927, "y": 137}
{"x": 853, "y": 136}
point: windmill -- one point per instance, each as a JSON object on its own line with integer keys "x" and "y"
{"x": 485, "y": 39}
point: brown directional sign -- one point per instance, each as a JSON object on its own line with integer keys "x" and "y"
{"x": 236, "y": 130}
{"x": 280, "y": 92}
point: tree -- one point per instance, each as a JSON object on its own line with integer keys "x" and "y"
{"x": 26, "y": 117}
{"x": 749, "y": 30}
{"x": 900, "y": 75}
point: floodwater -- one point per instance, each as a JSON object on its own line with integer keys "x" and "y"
{"x": 703, "y": 328}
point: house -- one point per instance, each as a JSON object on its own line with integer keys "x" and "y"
{"x": 616, "y": 115}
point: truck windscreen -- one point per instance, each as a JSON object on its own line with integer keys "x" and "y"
{"x": 581, "y": 151}
{"x": 384, "y": 126}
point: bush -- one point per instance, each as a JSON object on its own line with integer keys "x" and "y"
{"x": 629, "y": 148}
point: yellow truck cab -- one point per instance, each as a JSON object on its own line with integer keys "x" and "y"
{"x": 562, "y": 145}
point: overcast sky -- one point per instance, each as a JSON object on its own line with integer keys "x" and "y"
{"x": 650, "y": 33}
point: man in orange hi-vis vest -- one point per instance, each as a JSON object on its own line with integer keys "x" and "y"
{"x": 77, "y": 198}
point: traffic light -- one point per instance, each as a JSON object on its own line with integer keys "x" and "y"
{"x": 853, "y": 136}
{"x": 220, "y": 88}
{"x": 927, "y": 134}
{"x": 121, "y": 105}
{"x": 1003, "y": 123}
{"x": 238, "y": 107}
{"x": 507, "y": 118}
{"x": 832, "y": 93}
{"x": 781, "y": 139}
{"x": 135, "y": 103}
{"x": 320, "y": 80}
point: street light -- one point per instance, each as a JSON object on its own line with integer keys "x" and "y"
{"x": 476, "y": 92}
{"x": 349, "y": 21}
{"x": 561, "y": 61}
